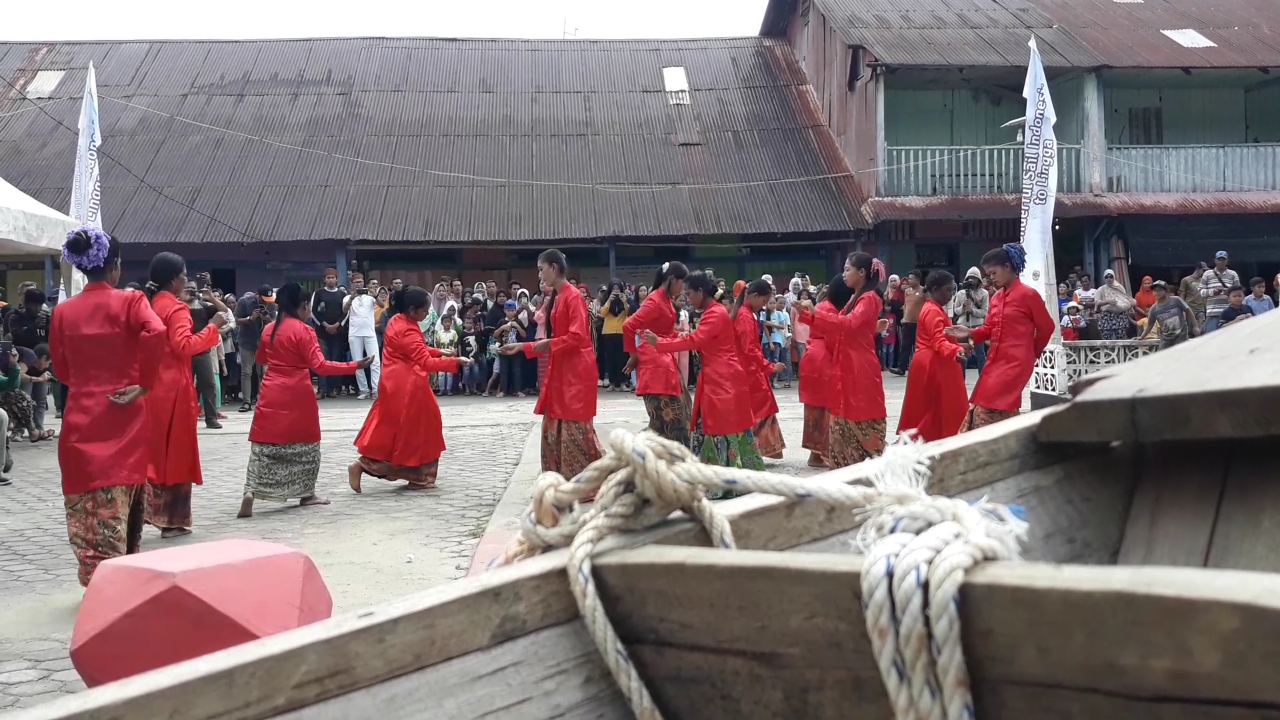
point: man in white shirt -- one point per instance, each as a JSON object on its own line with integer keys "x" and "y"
{"x": 362, "y": 335}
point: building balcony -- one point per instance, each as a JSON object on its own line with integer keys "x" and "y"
{"x": 960, "y": 170}
{"x": 1192, "y": 168}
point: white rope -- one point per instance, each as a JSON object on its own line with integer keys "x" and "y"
{"x": 917, "y": 549}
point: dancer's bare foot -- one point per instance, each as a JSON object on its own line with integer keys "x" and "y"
{"x": 816, "y": 460}
{"x": 167, "y": 533}
{"x": 313, "y": 500}
{"x": 246, "y": 506}
{"x": 353, "y": 476}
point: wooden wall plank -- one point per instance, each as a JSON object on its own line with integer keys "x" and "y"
{"x": 1076, "y": 508}
{"x": 721, "y": 635}
{"x": 1247, "y": 533}
{"x": 1175, "y": 505}
{"x": 555, "y": 672}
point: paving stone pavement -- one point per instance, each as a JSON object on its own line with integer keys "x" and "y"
{"x": 362, "y": 543}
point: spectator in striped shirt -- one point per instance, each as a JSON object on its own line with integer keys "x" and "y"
{"x": 1214, "y": 287}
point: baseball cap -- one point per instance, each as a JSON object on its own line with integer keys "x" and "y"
{"x": 267, "y": 293}
{"x": 1160, "y": 284}
{"x": 1220, "y": 254}
{"x": 510, "y": 305}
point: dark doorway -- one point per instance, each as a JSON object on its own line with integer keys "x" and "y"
{"x": 225, "y": 280}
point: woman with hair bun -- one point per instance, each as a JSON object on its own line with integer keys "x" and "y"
{"x": 566, "y": 403}
{"x": 284, "y": 458}
{"x": 1019, "y": 327}
{"x": 106, "y": 343}
{"x": 171, "y": 405}
{"x": 936, "y": 398}
{"x": 816, "y": 369}
{"x": 764, "y": 406}
{"x": 403, "y": 435}
{"x": 658, "y": 379}
{"x": 858, "y": 415}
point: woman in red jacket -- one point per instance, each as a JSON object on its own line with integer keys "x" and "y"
{"x": 171, "y": 404}
{"x": 936, "y": 398}
{"x": 107, "y": 343}
{"x": 658, "y": 379}
{"x": 284, "y": 459}
{"x": 1019, "y": 327}
{"x": 403, "y": 435}
{"x": 566, "y": 403}
{"x": 764, "y": 407}
{"x": 858, "y": 417}
{"x": 722, "y": 419}
{"x": 818, "y": 379}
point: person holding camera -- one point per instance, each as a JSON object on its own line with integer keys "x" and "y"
{"x": 202, "y": 364}
{"x": 362, "y": 335}
{"x": 252, "y": 314}
{"x": 969, "y": 309}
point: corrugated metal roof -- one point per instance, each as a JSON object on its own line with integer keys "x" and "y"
{"x": 1070, "y": 33}
{"x": 1130, "y": 34}
{"x": 970, "y": 33}
{"x": 987, "y": 207}
{"x": 579, "y": 112}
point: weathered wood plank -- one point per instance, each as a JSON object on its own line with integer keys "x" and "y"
{"x": 1076, "y": 508}
{"x": 295, "y": 669}
{"x": 555, "y": 672}
{"x": 1247, "y": 533}
{"x": 765, "y": 635}
{"x": 1175, "y": 505}
{"x": 1164, "y": 396}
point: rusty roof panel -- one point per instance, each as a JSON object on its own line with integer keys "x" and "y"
{"x": 567, "y": 114}
{"x": 987, "y": 207}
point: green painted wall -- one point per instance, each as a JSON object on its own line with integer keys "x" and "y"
{"x": 969, "y": 117}
{"x": 1198, "y": 116}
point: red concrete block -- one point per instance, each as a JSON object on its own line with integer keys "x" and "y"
{"x": 145, "y": 611}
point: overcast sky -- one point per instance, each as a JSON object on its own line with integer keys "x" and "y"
{"x": 25, "y": 20}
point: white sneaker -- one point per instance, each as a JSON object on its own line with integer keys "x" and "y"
{"x": 362, "y": 396}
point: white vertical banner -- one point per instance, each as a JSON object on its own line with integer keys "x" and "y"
{"x": 1039, "y": 183}
{"x": 86, "y": 189}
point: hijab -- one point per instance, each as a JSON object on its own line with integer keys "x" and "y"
{"x": 617, "y": 306}
{"x": 1112, "y": 290}
{"x": 1145, "y": 297}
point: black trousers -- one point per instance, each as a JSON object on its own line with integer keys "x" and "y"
{"x": 908, "y": 346}
{"x": 614, "y": 358}
{"x": 202, "y": 368}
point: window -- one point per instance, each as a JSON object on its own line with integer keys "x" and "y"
{"x": 676, "y": 83}
{"x": 44, "y": 83}
{"x": 1146, "y": 126}
{"x": 1189, "y": 38}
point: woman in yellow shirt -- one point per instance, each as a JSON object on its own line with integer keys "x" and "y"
{"x": 614, "y": 310}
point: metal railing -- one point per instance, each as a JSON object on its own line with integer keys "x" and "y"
{"x": 967, "y": 170}
{"x": 1193, "y": 168}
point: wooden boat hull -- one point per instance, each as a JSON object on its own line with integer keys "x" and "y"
{"x": 723, "y": 634}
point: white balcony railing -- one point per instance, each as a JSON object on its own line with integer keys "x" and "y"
{"x": 1061, "y": 365}
{"x": 1193, "y": 168}
{"x": 959, "y": 170}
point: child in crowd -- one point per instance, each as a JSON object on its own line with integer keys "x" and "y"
{"x": 779, "y": 335}
{"x": 446, "y": 341}
{"x": 1072, "y": 322}
{"x": 888, "y": 344}
{"x": 474, "y": 344}
{"x": 1236, "y": 309}
{"x": 511, "y": 367}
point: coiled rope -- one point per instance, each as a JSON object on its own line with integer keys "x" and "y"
{"x": 917, "y": 548}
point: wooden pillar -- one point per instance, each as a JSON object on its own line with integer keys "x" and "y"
{"x": 340, "y": 263}
{"x": 1093, "y": 137}
{"x": 881, "y": 151}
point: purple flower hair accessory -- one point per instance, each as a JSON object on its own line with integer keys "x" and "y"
{"x": 95, "y": 256}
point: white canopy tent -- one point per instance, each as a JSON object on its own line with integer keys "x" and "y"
{"x": 29, "y": 227}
